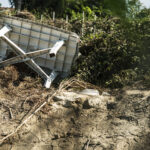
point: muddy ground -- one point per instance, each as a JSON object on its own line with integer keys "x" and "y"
{"x": 114, "y": 120}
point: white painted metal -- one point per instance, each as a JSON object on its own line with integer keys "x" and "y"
{"x": 51, "y": 78}
{"x": 30, "y": 55}
{"x": 56, "y": 47}
{"x": 32, "y": 36}
{"x": 17, "y": 49}
{"x": 23, "y": 58}
{"x": 4, "y": 30}
{"x": 32, "y": 40}
{"x": 27, "y": 57}
{"x": 30, "y": 62}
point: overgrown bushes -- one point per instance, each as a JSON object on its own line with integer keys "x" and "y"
{"x": 116, "y": 54}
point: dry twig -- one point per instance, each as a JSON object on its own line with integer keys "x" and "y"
{"x": 9, "y": 109}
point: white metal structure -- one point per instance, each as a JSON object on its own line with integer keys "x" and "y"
{"x": 50, "y": 47}
{"x": 28, "y": 57}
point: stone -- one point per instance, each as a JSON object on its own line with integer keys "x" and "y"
{"x": 105, "y": 94}
{"x": 94, "y": 102}
{"x": 73, "y": 118}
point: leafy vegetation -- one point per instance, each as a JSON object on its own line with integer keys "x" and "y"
{"x": 114, "y": 51}
{"x": 117, "y": 53}
{"x": 70, "y": 7}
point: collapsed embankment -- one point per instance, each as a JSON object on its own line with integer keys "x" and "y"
{"x": 72, "y": 120}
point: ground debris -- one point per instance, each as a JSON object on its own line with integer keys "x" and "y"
{"x": 114, "y": 120}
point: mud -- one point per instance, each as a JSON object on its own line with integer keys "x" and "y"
{"x": 119, "y": 120}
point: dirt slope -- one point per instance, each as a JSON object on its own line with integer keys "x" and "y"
{"x": 72, "y": 120}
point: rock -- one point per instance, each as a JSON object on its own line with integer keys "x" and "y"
{"x": 58, "y": 98}
{"x": 70, "y": 99}
{"x": 94, "y": 102}
{"x": 105, "y": 94}
{"x": 72, "y": 119}
{"x": 68, "y": 104}
{"x": 111, "y": 105}
{"x": 66, "y": 96}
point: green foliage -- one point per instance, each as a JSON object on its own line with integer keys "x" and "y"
{"x": 117, "y": 54}
{"x": 118, "y": 7}
{"x": 114, "y": 51}
{"x": 70, "y": 7}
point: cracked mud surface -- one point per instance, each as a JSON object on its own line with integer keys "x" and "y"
{"x": 73, "y": 121}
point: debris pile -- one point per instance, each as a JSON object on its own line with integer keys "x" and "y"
{"x": 73, "y": 119}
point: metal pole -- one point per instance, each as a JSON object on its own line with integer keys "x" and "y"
{"x": 19, "y": 5}
{"x": 82, "y": 30}
{"x": 95, "y": 18}
{"x": 66, "y": 18}
{"x": 53, "y": 16}
{"x": 41, "y": 18}
{"x": 66, "y": 22}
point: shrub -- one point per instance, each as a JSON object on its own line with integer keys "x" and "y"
{"x": 116, "y": 54}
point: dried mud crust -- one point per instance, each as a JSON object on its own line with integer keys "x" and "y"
{"x": 119, "y": 121}
{"x": 20, "y": 94}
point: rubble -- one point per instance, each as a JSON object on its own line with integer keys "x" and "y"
{"x": 73, "y": 121}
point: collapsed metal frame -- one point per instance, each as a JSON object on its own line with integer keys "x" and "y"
{"x": 28, "y": 57}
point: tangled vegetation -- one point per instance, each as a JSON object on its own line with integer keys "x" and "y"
{"x": 71, "y": 7}
{"x": 114, "y": 51}
{"x": 117, "y": 53}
